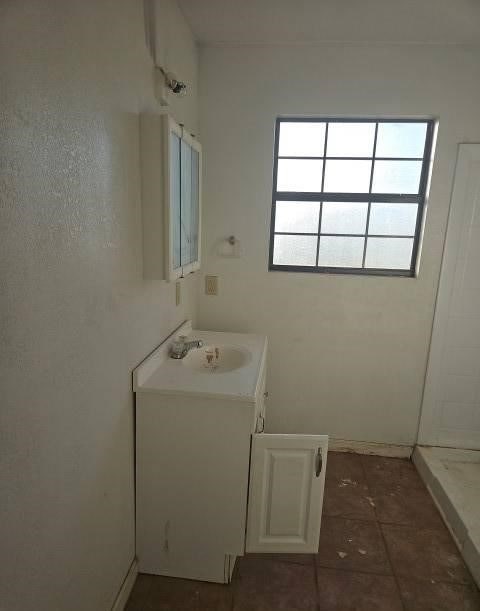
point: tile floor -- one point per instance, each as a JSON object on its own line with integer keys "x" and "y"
{"x": 383, "y": 547}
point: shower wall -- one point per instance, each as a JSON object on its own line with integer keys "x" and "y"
{"x": 451, "y": 404}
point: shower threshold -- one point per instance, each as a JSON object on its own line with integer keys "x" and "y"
{"x": 453, "y": 479}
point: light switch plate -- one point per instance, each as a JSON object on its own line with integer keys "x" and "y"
{"x": 211, "y": 285}
{"x": 178, "y": 293}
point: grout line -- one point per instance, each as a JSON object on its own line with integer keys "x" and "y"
{"x": 317, "y": 589}
{"x": 275, "y": 558}
{"x": 232, "y": 597}
{"x": 409, "y": 577}
{"x": 412, "y": 526}
{"x": 325, "y": 515}
{"x": 382, "y": 522}
{"x": 347, "y": 570}
{"x": 233, "y": 584}
{"x": 387, "y": 551}
{"x": 469, "y": 585}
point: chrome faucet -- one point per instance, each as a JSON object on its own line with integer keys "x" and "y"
{"x": 180, "y": 348}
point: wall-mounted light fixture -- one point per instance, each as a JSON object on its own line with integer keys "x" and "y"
{"x": 173, "y": 82}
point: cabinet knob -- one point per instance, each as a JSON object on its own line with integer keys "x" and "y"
{"x": 265, "y": 394}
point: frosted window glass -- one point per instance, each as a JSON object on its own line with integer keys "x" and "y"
{"x": 299, "y": 175}
{"x": 340, "y": 252}
{"x": 299, "y": 139}
{"x": 295, "y": 250}
{"x": 389, "y": 253}
{"x": 393, "y": 219}
{"x": 401, "y": 139}
{"x": 396, "y": 176}
{"x": 344, "y": 217}
{"x": 186, "y": 199}
{"x": 195, "y": 206}
{"x": 347, "y": 176}
{"x": 297, "y": 217}
{"x": 175, "y": 197}
{"x": 350, "y": 139}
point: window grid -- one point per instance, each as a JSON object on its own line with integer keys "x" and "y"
{"x": 333, "y": 158}
{"x": 370, "y": 190}
{"x": 321, "y": 203}
{"x": 368, "y": 198}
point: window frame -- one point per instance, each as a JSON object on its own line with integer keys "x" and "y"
{"x": 323, "y": 196}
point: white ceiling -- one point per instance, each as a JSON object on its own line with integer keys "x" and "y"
{"x": 317, "y": 21}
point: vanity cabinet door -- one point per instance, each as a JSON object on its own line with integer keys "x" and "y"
{"x": 287, "y": 479}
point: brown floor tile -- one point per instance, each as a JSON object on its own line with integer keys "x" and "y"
{"x": 354, "y": 545}
{"x": 424, "y": 554}
{"x": 427, "y": 596}
{"x": 349, "y": 591}
{"x": 390, "y": 471}
{"x": 346, "y": 491}
{"x": 406, "y": 505}
{"x": 345, "y": 465}
{"x": 140, "y": 591}
{"x": 267, "y": 585}
{"x": 172, "y": 594}
{"x": 348, "y": 500}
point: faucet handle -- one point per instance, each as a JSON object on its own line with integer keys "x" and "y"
{"x": 180, "y": 341}
{"x": 178, "y": 346}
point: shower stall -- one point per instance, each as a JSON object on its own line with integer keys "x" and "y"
{"x": 448, "y": 451}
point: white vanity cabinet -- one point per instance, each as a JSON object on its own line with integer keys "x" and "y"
{"x": 210, "y": 484}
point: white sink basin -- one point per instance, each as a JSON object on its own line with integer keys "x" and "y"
{"x": 217, "y": 359}
{"x": 235, "y": 359}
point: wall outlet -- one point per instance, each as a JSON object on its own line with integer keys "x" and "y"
{"x": 211, "y": 285}
{"x": 178, "y": 293}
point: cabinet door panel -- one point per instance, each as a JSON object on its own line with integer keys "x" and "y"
{"x": 287, "y": 478}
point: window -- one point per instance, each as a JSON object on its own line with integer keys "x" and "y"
{"x": 348, "y": 195}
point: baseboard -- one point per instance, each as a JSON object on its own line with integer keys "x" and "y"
{"x": 126, "y": 587}
{"x": 369, "y": 447}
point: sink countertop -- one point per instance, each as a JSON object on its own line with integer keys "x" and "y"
{"x": 173, "y": 376}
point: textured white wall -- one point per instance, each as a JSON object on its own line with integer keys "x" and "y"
{"x": 76, "y": 315}
{"x": 347, "y": 354}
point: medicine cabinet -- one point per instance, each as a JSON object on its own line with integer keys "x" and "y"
{"x": 171, "y": 161}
